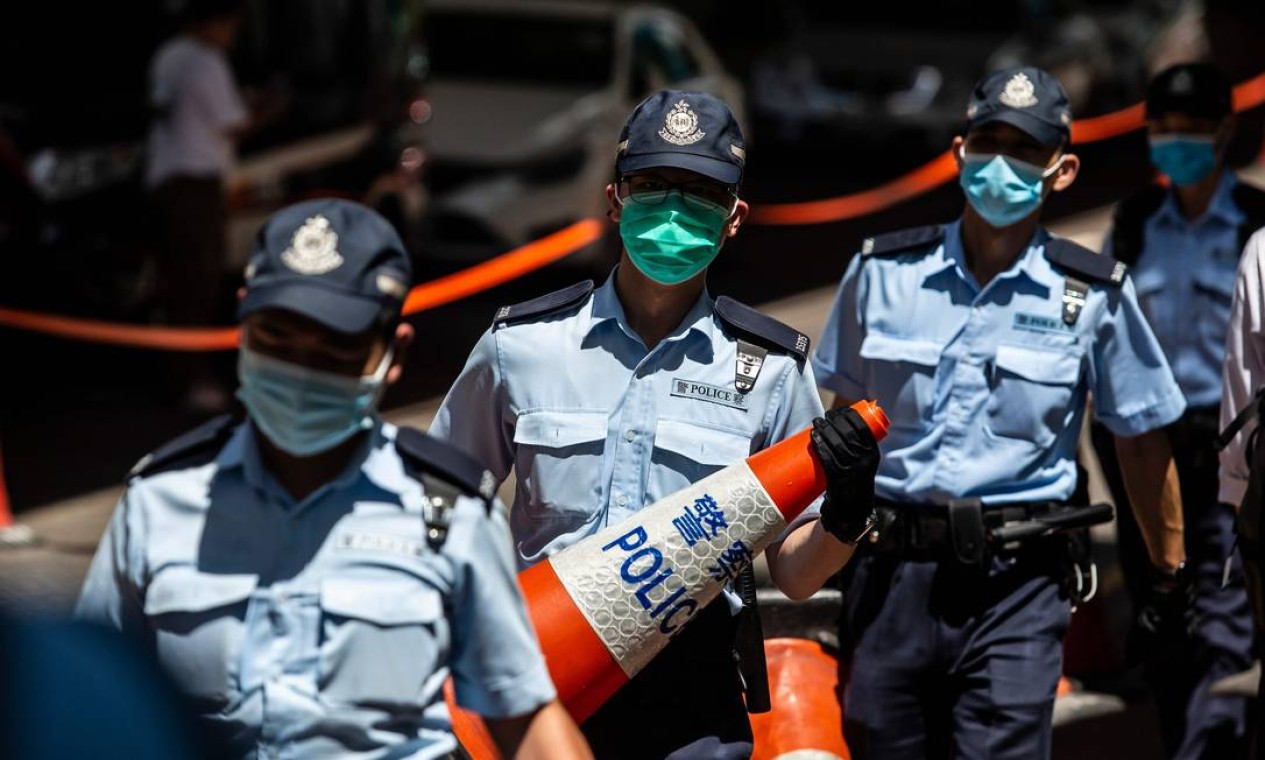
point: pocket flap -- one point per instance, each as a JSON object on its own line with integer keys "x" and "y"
{"x": 1215, "y": 282}
{"x": 556, "y": 429}
{"x": 701, "y": 444}
{"x": 887, "y": 348}
{"x": 382, "y": 601}
{"x": 183, "y": 588}
{"x": 1040, "y": 365}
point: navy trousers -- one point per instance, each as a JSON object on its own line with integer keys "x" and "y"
{"x": 1193, "y": 723}
{"x": 949, "y": 660}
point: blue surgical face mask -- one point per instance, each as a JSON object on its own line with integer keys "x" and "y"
{"x": 1002, "y": 189}
{"x": 306, "y": 411}
{"x": 1186, "y": 159}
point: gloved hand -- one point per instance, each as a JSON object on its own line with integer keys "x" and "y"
{"x": 1166, "y": 618}
{"x": 850, "y": 456}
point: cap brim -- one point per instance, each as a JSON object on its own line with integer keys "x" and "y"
{"x": 341, "y": 312}
{"x": 1043, "y": 132}
{"x": 721, "y": 171}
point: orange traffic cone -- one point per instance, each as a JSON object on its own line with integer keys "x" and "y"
{"x": 6, "y": 516}
{"x": 605, "y": 606}
{"x": 806, "y": 719}
{"x": 608, "y": 604}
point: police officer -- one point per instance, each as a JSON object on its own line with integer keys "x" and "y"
{"x": 1182, "y": 244}
{"x": 1242, "y": 475}
{"x": 311, "y": 576}
{"x": 605, "y": 400}
{"x": 982, "y": 338}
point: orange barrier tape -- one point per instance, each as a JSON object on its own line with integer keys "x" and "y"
{"x": 942, "y": 168}
{"x": 428, "y": 295}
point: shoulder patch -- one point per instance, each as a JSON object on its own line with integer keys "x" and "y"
{"x": 204, "y": 441}
{"x": 423, "y": 454}
{"x": 762, "y": 329}
{"x": 1076, "y": 259}
{"x": 901, "y": 241}
{"x": 545, "y": 305}
{"x": 1128, "y": 222}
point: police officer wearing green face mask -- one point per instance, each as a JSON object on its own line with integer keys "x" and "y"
{"x": 604, "y": 400}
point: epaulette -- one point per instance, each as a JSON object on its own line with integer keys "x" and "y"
{"x": 1076, "y": 259}
{"x": 762, "y": 329}
{"x": 1128, "y": 223}
{"x": 205, "y": 440}
{"x": 545, "y": 305}
{"x": 423, "y": 454}
{"x": 900, "y": 241}
{"x": 446, "y": 473}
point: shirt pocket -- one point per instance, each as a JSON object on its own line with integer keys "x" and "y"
{"x": 381, "y": 638}
{"x": 558, "y": 456}
{"x": 688, "y": 452}
{"x": 901, "y": 373}
{"x": 198, "y": 623}
{"x": 1032, "y": 392}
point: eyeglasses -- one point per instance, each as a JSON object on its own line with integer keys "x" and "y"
{"x": 706, "y": 196}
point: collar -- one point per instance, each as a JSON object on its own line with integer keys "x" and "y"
{"x": 1221, "y": 208}
{"x": 242, "y": 450}
{"x": 952, "y": 255}
{"x": 605, "y": 307}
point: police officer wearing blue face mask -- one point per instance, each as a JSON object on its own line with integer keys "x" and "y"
{"x": 1183, "y": 244}
{"x": 312, "y": 575}
{"x": 605, "y": 400}
{"x": 982, "y": 339}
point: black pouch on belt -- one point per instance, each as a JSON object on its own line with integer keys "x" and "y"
{"x": 966, "y": 528}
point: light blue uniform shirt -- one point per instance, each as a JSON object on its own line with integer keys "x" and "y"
{"x": 986, "y": 387}
{"x": 597, "y": 427}
{"x": 1185, "y": 278}
{"x": 325, "y": 627}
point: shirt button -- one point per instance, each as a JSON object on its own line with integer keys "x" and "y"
{"x": 621, "y": 500}
{"x": 630, "y": 435}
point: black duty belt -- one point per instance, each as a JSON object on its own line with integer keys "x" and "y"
{"x": 967, "y": 529}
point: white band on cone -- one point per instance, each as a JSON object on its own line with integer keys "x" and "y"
{"x": 639, "y": 582}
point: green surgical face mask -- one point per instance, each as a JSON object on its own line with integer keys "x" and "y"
{"x": 670, "y": 241}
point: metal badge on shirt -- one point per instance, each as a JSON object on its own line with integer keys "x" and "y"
{"x": 748, "y": 364}
{"x": 379, "y": 542}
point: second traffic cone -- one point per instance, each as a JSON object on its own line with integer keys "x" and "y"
{"x": 806, "y": 720}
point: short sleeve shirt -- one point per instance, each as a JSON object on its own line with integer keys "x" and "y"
{"x": 986, "y": 386}
{"x": 196, "y": 105}
{"x": 323, "y": 627}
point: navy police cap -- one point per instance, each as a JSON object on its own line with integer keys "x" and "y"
{"x": 1026, "y": 98}
{"x": 683, "y": 130}
{"x": 1200, "y": 90}
{"x": 334, "y": 261}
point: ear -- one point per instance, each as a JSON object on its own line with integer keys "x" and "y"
{"x": 956, "y": 149}
{"x": 404, "y": 335}
{"x": 741, "y": 210}
{"x": 1066, "y": 175}
{"x": 612, "y": 202}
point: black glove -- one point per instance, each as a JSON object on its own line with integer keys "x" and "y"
{"x": 1166, "y": 619}
{"x": 849, "y": 454}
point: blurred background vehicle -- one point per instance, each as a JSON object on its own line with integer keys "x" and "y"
{"x": 525, "y": 100}
{"x": 76, "y": 139}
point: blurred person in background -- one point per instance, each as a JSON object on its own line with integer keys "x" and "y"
{"x": 983, "y": 339}
{"x": 198, "y": 115}
{"x": 311, "y": 576}
{"x": 1182, "y": 241}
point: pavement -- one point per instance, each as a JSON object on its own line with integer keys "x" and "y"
{"x": 44, "y": 578}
